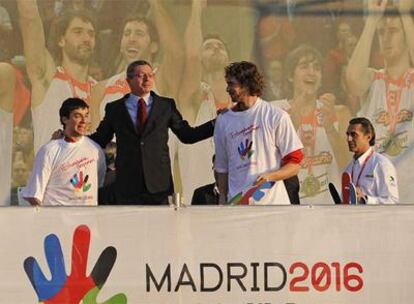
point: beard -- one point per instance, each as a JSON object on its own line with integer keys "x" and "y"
{"x": 215, "y": 63}
{"x": 80, "y": 54}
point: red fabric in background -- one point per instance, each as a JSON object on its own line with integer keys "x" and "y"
{"x": 21, "y": 98}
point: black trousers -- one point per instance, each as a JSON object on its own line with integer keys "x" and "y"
{"x": 292, "y": 187}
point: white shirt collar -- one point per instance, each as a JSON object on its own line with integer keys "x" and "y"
{"x": 364, "y": 156}
{"x": 147, "y": 98}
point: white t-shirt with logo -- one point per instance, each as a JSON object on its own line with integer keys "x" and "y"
{"x": 253, "y": 142}
{"x": 67, "y": 174}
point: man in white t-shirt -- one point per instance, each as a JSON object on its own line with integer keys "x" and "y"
{"x": 373, "y": 174}
{"x": 68, "y": 171}
{"x": 256, "y": 144}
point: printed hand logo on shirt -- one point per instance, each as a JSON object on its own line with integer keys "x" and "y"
{"x": 245, "y": 149}
{"x": 79, "y": 182}
{"x": 76, "y": 287}
{"x": 252, "y": 195}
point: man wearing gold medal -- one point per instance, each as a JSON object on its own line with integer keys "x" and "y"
{"x": 372, "y": 173}
{"x": 387, "y": 95}
{"x": 319, "y": 123}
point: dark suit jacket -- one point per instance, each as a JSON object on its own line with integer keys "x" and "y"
{"x": 205, "y": 195}
{"x": 143, "y": 162}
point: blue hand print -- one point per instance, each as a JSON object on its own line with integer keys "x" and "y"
{"x": 245, "y": 149}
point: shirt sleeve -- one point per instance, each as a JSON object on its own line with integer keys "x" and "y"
{"x": 294, "y": 157}
{"x": 40, "y": 176}
{"x": 387, "y": 186}
{"x": 105, "y": 131}
{"x": 287, "y": 139}
{"x": 221, "y": 161}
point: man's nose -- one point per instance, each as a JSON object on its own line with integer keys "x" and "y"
{"x": 133, "y": 37}
{"x": 87, "y": 39}
{"x": 311, "y": 70}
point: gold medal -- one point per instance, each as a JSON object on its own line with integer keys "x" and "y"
{"x": 310, "y": 186}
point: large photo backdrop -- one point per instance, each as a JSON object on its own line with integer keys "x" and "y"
{"x": 324, "y": 62}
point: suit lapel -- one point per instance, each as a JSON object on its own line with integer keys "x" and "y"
{"x": 125, "y": 115}
{"x": 156, "y": 108}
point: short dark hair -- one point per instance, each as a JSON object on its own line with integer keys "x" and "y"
{"x": 60, "y": 26}
{"x": 69, "y": 105}
{"x": 247, "y": 75}
{"x": 131, "y": 67}
{"x": 301, "y": 51}
{"x": 115, "y": 57}
{"x": 367, "y": 127}
{"x": 152, "y": 30}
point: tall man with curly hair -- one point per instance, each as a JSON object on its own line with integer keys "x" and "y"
{"x": 256, "y": 143}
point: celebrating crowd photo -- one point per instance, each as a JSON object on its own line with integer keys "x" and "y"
{"x": 127, "y": 102}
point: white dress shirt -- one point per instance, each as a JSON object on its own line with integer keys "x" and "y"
{"x": 376, "y": 176}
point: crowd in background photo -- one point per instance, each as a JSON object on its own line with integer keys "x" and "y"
{"x": 324, "y": 62}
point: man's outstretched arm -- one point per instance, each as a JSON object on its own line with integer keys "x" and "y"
{"x": 358, "y": 74}
{"x": 40, "y": 64}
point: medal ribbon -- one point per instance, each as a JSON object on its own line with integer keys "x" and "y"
{"x": 73, "y": 83}
{"x": 313, "y": 121}
{"x": 362, "y": 169}
{"x": 393, "y": 98}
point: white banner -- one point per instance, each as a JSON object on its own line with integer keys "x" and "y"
{"x": 208, "y": 255}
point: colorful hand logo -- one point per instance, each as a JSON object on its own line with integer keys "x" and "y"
{"x": 257, "y": 192}
{"x": 76, "y": 287}
{"x": 245, "y": 149}
{"x": 80, "y": 183}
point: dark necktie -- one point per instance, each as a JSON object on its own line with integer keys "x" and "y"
{"x": 141, "y": 115}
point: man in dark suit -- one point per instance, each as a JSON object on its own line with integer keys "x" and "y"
{"x": 207, "y": 194}
{"x": 140, "y": 121}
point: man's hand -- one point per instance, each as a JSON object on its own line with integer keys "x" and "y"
{"x": 327, "y": 109}
{"x": 262, "y": 178}
{"x": 361, "y": 198}
{"x": 77, "y": 286}
{"x": 376, "y": 8}
{"x": 33, "y": 201}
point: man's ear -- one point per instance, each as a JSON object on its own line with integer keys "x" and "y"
{"x": 369, "y": 137}
{"x": 61, "y": 42}
{"x": 64, "y": 120}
